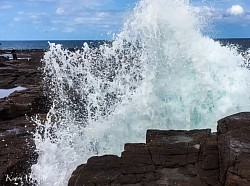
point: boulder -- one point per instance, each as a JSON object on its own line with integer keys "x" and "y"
{"x": 234, "y": 149}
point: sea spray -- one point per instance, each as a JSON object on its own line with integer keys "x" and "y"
{"x": 159, "y": 72}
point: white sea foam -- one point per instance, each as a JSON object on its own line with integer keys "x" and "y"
{"x": 159, "y": 72}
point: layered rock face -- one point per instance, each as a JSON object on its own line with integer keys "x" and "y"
{"x": 234, "y": 149}
{"x": 16, "y": 142}
{"x": 185, "y": 158}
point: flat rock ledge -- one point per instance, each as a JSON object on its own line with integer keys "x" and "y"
{"x": 177, "y": 157}
{"x": 17, "y": 147}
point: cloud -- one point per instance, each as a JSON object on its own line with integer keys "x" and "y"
{"x": 30, "y": 17}
{"x": 208, "y": 12}
{"x": 235, "y": 10}
{"x": 88, "y": 18}
{"x": 84, "y": 3}
{"x": 59, "y": 11}
{"x": 69, "y": 30}
{"x": 17, "y": 19}
{"x": 93, "y": 18}
{"x": 52, "y": 29}
{"x": 36, "y": 15}
{"x": 67, "y": 17}
{"x": 42, "y": 0}
{"x": 4, "y": 7}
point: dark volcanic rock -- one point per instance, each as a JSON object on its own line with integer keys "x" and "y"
{"x": 195, "y": 158}
{"x": 17, "y": 151}
{"x": 25, "y": 102}
{"x": 22, "y": 72}
{"x": 3, "y": 59}
{"x": 168, "y": 158}
{"x": 234, "y": 149}
{"x": 16, "y": 141}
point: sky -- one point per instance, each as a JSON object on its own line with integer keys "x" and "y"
{"x": 100, "y": 19}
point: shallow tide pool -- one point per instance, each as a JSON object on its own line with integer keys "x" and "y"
{"x": 7, "y": 92}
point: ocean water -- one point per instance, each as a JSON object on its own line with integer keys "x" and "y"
{"x": 6, "y": 92}
{"x": 159, "y": 72}
{"x": 44, "y": 44}
{"x": 242, "y": 44}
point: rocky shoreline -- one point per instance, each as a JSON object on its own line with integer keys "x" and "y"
{"x": 196, "y": 157}
{"x": 16, "y": 142}
{"x": 174, "y": 157}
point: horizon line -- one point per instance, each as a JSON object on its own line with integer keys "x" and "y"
{"x": 101, "y": 39}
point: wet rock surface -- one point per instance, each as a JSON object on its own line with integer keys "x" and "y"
{"x": 16, "y": 143}
{"x": 234, "y": 149}
{"x": 196, "y": 157}
{"x": 23, "y": 72}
